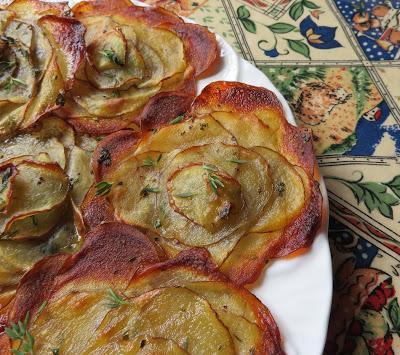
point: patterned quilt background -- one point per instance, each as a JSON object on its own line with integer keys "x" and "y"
{"x": 337, "y": 62}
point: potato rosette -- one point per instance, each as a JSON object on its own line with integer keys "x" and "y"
{"x": 111, "y": 300}
{"x": 139, "y": 69}
{"x": 232, "y": 176}
{"x": 44, "y": 176}
{"x": 40, "y": 51}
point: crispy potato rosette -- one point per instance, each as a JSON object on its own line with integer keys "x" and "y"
{"x": 44, "y": 176}
{"x": 139, "y": 68}
{"x": 111, "y": 300}
{"x": 232, "y": 176}
{"x": 40, "y": 51}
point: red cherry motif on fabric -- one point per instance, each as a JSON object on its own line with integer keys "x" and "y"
{"x": 378, "y": 298}
{"x": 381, "y": 346}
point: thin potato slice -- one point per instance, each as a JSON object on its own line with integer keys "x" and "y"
{"x": 288, "y": 193}
{"x": 31, "y": 196}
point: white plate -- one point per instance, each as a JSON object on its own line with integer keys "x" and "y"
{"x": 297, "y": 291}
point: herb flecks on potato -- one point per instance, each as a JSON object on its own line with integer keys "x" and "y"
{"x": 140, "y": 67}
{"x": 40, "y": 52}
{"x": 129, "y": 302}
{"x": 232, "y": 176}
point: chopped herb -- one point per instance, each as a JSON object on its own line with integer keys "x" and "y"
{"x": 157, "y": 223}
{"x": 148, "y": 162}
{"x": 6, "y": 65}
{"x": 177, "y": 119}
{"x": 148, "y": 189}
{"x": 105, "y": 157}
{"x": 115, "y": 94}
{"x": 9, "y": 235}
{"x": 237, "y": 338}
{"x": 55, "y": 351}
{"x": 280, "y": 188}
{"x": 185, "y": 194}
{"x": 60, "y": 100}
{"x": 142, "y": 343}
{"x": 203, "y": 126}
{"x": 112, "y": 56}
{"x": 185, "y": 344}
{"x": 103, "y": 188}
{"x": 40, "y": 310}
{"x": 20, "y": 332}
{"x": 4, "y": 180}
{"x": 159, "y": 158}
{"x": 237, "y": 161}
{"x": 11, "y": 82}
{"x": 215, "y": 182}
{"x": 210, "y": 167}
{"x": 34, "y": 220}
{"x": 114, "y": 300}
{"x": 7, "y": 39}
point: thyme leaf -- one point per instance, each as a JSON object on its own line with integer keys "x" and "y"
{"x": 215, "y": 182}
{"x": 11, "y": 82}
{"x": 103, "y": 188}
{"x": 185, "y": 194}
{"x": 148, "y": 189}
{"x": 177, "y": 119}
{"x": 112, "y": 56}
{"x": 4, "y": 65}
{"x": 115, "y": 300}
{"x": 237, "y": 161}
{"x": 210, "y": 167}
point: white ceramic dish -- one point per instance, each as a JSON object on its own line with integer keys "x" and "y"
{"x": 297, "y": 291}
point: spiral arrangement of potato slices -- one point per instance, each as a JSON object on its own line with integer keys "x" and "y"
{"x": 233, "y": 177}
{"x": 40, "y": 51}
{"x": 139, "y": 69}
{"x": 108, "y": 300}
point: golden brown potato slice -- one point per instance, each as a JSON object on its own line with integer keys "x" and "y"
{"x": 37, "y": 188}
{"x": 183, "y": 305}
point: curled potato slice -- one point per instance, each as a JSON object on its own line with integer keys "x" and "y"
{"x": 183, "y": 305}
{"x": 231, "y": 174}
{"x": 37, "y": 189}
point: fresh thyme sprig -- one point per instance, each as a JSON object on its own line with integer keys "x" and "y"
{"x": 150, "y": 162}
{"x": 210, "y": 167}
{"x": 114, "y": 300}
{"x": 11, "y": 82}
{"x": 19, "y": 331}
{"x": 177, "y": 119}
{"x": 215, "y": 183}
{"x": 103, "y": 188}
{"x": 112, "y": 56}
{"x": 4, "y": 65}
